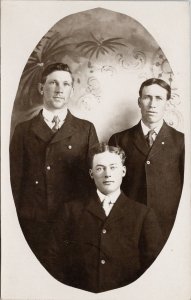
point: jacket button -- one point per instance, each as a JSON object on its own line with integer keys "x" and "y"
{"x": 70, "y": 147}
{"x": 103, "y": 262}
{"x": 104, "y": 231}
{"x": 148, "y": 162}
{"x": 162, "y": 143}
{"x": 36, "y": 182}
{"x": 48, "y": 167}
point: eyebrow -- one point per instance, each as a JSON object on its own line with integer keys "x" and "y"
{"x": 99, "y": 165}
{"x": 63, "y": 81}
{"x": 148, "y": 95}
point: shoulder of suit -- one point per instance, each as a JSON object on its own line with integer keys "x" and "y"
{"x": 128, "y": 130}
{"x": 176, "y": 136}
{"x": 80, "y": 121}
{"x": 122, "y": 137}
{"x": 134, "y": 205}
{"x": 27, "y": 123}
{"x": 174, "y": 131}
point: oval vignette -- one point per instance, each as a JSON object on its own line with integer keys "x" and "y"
{"x": 110, "y": 54}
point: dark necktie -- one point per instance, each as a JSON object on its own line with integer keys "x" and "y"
{"x": 149, "y": 137}
{"x": 56, "y": 122}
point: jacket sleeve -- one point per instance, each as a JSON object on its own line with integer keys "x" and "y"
{"x": 16, "y": 163}
{"x": 92, "y": 138}
{"x": 92, "y": 142}
{"x": 151, "y": 241}
{"x": 113, "y": 140}
{"x": 63, "y": 260}
{"x": 58, "y": 242}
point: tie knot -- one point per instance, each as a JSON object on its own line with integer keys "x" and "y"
{"x": 106, "y": 199}
{"x": 149, "y": 137}
{"x": 151, "y": 132}
{"x": 107, "y": 205}
{"x": 56, "y": 121}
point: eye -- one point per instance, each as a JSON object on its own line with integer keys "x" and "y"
{"x": 99, "y": 169}
{"x": 67, "y": 84}
{"x": 52, "y": 82}
{"x": 113, "y": 167}
{"x": 146, "y": 98}
{"x": 159, "y": 99}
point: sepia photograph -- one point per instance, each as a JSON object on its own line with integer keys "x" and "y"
{"x": 95, "y": 140}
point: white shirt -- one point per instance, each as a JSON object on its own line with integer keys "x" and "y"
{"x": 147, "y": 129}
{"x": 48, "y": 117}
{"x": 111, "y": 199}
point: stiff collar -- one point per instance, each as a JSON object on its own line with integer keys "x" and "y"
{"x": 112, "y": 196}
{"x": 147, "y": 129}
{"x": 48, "y": 115}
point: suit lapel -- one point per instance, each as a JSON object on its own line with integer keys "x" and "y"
{"x": 40, "y": 128}
{"x": 161, "y": 140}
{"x": 118, "y": 210}
{"x": 95, "y": 208}
{"x": 66, "y": 130}
{"x": 139, "y": 139}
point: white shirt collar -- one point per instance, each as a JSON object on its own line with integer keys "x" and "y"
{"x": 147, "y": 129}
{"x": 112, "y": 196}
{"x": 48, "y": 115}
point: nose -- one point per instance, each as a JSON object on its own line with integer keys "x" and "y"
{"x": 107, "y": 173}
{"x": 59, "y": 89}
{"x": 153, "y": 102}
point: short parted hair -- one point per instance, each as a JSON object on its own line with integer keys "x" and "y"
{"x": 103, "y": 147}
{"x": 55, "y": 67}
{"x": 158, "y": 81}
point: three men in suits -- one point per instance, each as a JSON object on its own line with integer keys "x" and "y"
{"x": 49, "y": 157}
{"x": 155, "y": 155}
{"x": 108, "y": 241}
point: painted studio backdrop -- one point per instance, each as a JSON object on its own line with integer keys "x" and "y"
{"x": 110, "y": 55}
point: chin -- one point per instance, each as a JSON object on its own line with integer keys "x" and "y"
{"x": 59, "y": 106}
{"x": 109, "y": 191}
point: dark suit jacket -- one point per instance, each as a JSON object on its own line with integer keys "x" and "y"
{"x": 154, "y": 176}
{"x": 98, "y": 253}
{"x": 47, "y": 169}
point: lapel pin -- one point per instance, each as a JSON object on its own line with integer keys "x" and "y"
{"x": 70, "y": 147}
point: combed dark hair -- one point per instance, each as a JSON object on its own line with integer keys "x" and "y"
{"x": 158, "y": 81}
{"x": 103, "y": 147}
{"x": 55, "y": 67}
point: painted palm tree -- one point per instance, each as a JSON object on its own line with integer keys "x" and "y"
{"x": 47, "y": 51}
{"x": 101, "y": 46}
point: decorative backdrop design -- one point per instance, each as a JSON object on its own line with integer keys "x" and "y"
{"x": 110, "y": 55}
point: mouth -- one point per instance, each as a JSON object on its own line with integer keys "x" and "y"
{"x": 151, "y": 112}
{"x": 58, "y": 98}
{"x": 108, "y": 182}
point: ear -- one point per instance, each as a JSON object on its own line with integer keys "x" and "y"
{"x": 124, "y": 171}
{"x": 40, "y": 88}
{"x": 91, "y": 173}
{"x": 139, "y": 102}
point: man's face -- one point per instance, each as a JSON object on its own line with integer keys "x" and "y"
{"x": 153, "y": 103}
{"x": 107, "y": 172}
{"x": 56, "y": 90}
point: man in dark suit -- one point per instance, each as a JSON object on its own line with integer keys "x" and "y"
{"x": 155, "y": 155}
{"x": 108, "y": 241}
{"x": 49, "y": 157}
